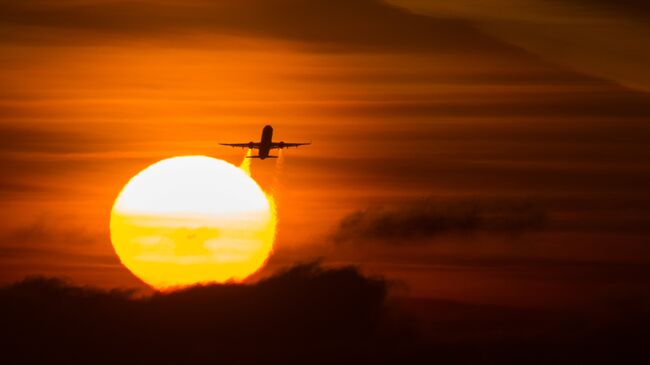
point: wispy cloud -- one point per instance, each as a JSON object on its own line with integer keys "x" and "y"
{"x": 419, "y": 222}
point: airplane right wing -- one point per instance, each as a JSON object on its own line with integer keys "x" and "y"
{"x": 281, "y": 145}
{"x": 251, "y": 145}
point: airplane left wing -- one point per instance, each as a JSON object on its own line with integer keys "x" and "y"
{"x": 281, "y": 145}
{"x": 251, "y": 145}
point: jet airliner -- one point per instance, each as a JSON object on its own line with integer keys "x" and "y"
{"x": 265, "y": 145}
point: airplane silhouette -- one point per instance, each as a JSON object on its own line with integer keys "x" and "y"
{"x": 265, "y": 145}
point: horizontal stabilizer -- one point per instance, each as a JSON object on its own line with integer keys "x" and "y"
{"x": 261, "y": 157}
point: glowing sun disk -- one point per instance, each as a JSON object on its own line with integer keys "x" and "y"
{"x": 192, "y": 219}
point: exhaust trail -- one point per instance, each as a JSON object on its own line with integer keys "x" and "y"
{"x": 273, "y": 194}
{"x": 246, "y": 163}
{"x": 279, "y": 170}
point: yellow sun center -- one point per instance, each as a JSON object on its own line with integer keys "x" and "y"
{"x": 192, "y": 219}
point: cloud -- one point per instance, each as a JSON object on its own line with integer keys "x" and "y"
{"x": 612, "y": 103}
{"x": 331, "y": 24}
{"x": 604, "y": 38}
{"x": 12, "y": 188}
{"x": 52, "y": 244}
{"x": 303, "y": 314}
{"x": 48, "y": 230}
{"x": 423, "y": 220}
{"x": 39, "y": 138}
{"x": 636, "y": 8}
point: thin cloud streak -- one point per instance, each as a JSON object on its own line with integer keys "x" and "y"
{"x": 421, "y": 222}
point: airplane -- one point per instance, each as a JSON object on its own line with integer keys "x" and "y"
{"x": 265, "y": 145}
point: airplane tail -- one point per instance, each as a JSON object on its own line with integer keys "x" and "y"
{"x": 261, "y": 157}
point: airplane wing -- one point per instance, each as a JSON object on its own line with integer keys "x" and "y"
{"x": 281, "y": 145}
{"x": 251, "y": 145}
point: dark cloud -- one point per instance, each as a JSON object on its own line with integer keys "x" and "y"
{"x": 595, "y": 104}
{"x": 334, "y": 24}
{"x": 420, "y": 221}
{"x": 48, "y": 230}
{"x": 52, "y": 244}
{"x": 636, "y": 8}
{"x": 305, "y": 314}
{"x": 599, "y": 37}
{"x": 40, "y": 138}
{"x": 45, "y": 254}
{"x": 11, "y": 188}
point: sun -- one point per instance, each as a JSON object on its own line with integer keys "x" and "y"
{"x": 192, "y": 219}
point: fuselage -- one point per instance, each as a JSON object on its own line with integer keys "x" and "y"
{"x": 265, "y": 142}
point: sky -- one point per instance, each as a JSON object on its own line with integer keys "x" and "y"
{"x": 484, "y": 153}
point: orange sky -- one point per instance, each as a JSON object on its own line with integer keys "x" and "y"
{"x": 400, "y": 107}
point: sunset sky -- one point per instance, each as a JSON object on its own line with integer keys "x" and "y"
{"x": 484, "y": 152}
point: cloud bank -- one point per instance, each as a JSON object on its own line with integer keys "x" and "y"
{"x": 305, "y": 314}
{"x": 339, "y": 24}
